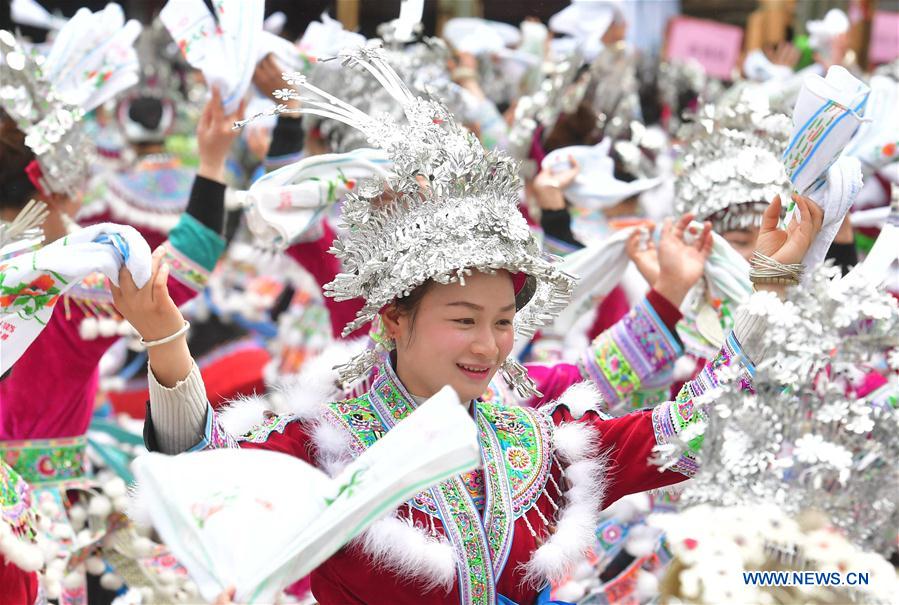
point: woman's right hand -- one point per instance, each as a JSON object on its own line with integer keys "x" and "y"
{"x": 150, "y": 309}
{"x": 215, "y": 135}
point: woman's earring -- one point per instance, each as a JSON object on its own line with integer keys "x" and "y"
{"x": 516, "y": 376}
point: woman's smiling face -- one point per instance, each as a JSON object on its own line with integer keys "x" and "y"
{"x": 457, "y": 335}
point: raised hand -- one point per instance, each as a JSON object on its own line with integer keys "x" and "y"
{"x": 644, "y": 254}
{"x": 548, "y": 185}
{"x": 226, "y": 597}
{"x": 681, "y": 264}
{"x": 215, "y": 134}
{"x": 155, "y": 316}
{"x": 785, "y": 54}
{"x": 150, "y": 309}
{"x": 788, "y": 246}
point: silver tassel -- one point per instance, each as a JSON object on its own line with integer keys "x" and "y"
{"x": 516, "y": 376}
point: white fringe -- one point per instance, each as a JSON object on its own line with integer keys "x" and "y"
{"x": 242, "y": 414}
{"x": 303, "y": 397}
{"x": 580, "y": 398}
{"x": 577, "y": 445}
{"x": 332, "y": 447}
{"x": 396, "y": 545}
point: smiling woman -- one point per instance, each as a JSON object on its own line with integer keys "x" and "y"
{"x": 450, "y": 268}
{"x": 465, "y": 332}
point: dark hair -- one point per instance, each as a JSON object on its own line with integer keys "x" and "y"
{"x": 408, "y": 305}
{"x": 578, "y": 128}
{"x": 15, "y": 187}
{"x": 146, "y": 111}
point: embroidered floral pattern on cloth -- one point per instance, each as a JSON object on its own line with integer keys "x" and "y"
{"x": 46, "y": 461}
{"x": 15, "y": 503}
{"x": 26, "y": 299}
{"x": 516, "y": 447}
{"x": 622, "y": 358}
{"x": 674, "y": 417}
{"x": 184, "y": 269}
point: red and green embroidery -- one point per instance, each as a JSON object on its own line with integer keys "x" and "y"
{"x": 43, "y": 461}
{"x": 27, "y": 299}
{"x": 524, "y": 436}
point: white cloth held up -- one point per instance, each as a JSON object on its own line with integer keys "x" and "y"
{"x": 30, "y": 284}
{"x": 224, "y": 47}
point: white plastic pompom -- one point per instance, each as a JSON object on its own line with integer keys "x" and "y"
{"x": 624, "y": 510}
{"x": 95, "y": 566}
{"x": 50, "y": 549}
{"x": 60, "y": 531}
{"x": 120, "y": 504}
{"x": 73, "y": 580}
{"x": 44, "y": 524}
{"x": 572, "y": 590}
{"x": 89, "y": 328}
{"x": 52, "y": 588}
{"x": 115, "y": 487}
{"x": 53, "y": 575}
{"x": 147, "y": 595}
{"x": 111, "y": 581}
{"x": 100, "y": 506}
{"x": 168, "y": 577}
{"x": 168, "y": 591}
{"x": 107, "y": 327}
{"x": 647, "y": 586}
{"x": 77, "y": 516}
{"x": 49, "y": 508}
{"x": 642, "y": 541}
{"x": 124, "y": 328}
{"x": 143, "y": 546}
{"x": 83, "y": 537}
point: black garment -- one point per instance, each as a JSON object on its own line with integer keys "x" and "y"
{"x": 845, "y": 256}
{"x": 207, "y": 203}
{"x": 557, "y": 225}
{"x": 287, "y": 137}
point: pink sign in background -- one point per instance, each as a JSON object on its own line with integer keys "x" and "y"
{"x": 884, "y": 45}
{"x": 716, "y": 46}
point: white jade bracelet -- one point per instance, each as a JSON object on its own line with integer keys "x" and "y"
{"x": 155, "y": 343}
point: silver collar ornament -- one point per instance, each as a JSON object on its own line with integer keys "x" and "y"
{"x": 450, "y": 208}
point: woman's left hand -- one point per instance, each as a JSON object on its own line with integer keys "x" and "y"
{"x": 681, "y": 264}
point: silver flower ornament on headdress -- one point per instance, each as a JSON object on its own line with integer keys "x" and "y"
{"x": 449, "y": 208}
{"x": 91, "y": 60}
{"x": 731, "y": 161}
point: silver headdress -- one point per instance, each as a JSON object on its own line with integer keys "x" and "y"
{"x": 731, "y": 161}
{"x": 91, "y": 60}
{"x": 50, "y": 125}
{"x": 449, "y": 208}
{"x": 422, "y": 66}
{"x": 24, "y": 232}
{"x": 160, "y": 65}
{"x": 557, "y": 93}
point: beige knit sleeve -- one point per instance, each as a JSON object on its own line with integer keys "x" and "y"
{"x": 179, "y": 412}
